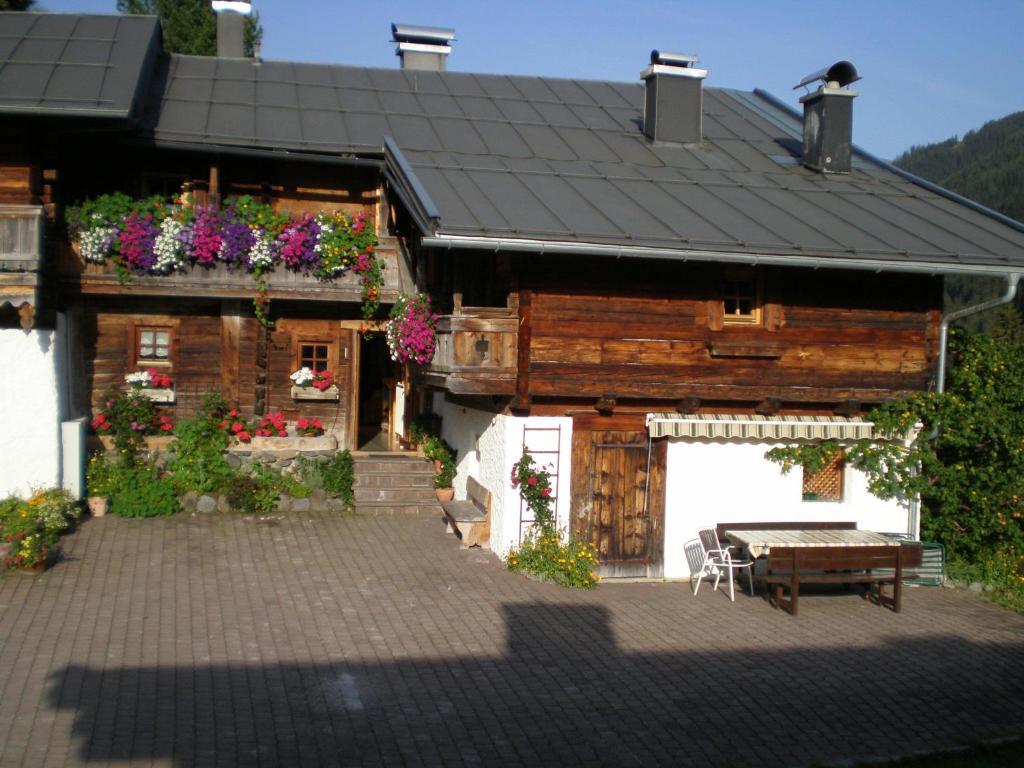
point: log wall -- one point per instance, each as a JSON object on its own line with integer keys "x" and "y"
{"x": 649, "y": 331}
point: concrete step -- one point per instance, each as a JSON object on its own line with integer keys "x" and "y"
{"x": 399, "y": 495}
{"x": 411, "y": 466}
{"x": 382, "y": 480}
{"x": 389, "y": 508}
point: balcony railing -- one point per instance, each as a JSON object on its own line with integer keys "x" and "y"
{"x": 21, "y": 245}
{"x": 476, "y": 352}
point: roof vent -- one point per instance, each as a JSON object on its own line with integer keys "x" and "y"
{"x": 673, "y": 98}
{"x": 424, "y": 48}
{"x": 231, "y": 27}
{"x": 828, "y": 118}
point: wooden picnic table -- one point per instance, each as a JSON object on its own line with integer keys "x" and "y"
{"x": 817, "y": 556}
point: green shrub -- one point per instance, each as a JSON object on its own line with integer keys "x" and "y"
{"x": 55, "y": 510}
{"x": 439, "y": 450}
{"x": 251, "y": 495}
{"x": 197, "y": 462}
{"x": 307, "y": 474}
{"x": 142, "y": 492}
{"x": 8, "y": 508}
{"x": 338, "y": 476}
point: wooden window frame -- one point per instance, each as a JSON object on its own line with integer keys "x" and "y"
{"x": 735, "y": 277}
{"x": 332, "y": 351}
{"x": 135, "y": 331}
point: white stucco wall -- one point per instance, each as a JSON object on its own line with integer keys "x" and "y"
{"x": 30, "y": 444}
{"x": 489, "y": 444}
{"x": 718, "y": 481}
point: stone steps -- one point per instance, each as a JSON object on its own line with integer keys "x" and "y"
{"x": 394, "y": 484}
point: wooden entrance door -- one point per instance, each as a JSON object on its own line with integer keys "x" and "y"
{"x": 618, "y": 504}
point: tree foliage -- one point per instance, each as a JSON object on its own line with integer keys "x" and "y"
{"x": 190, "y": 26}
{"x": 16, "y": 5}
{"x": 967, "y": 463}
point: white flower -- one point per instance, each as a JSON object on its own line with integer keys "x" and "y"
{"x": 169, "y": 250}
{"x": 138, "y": 379}
{"x": 96, "y": 243}
{"x": 262, "y": 252}
{"x": 302, "y": 377}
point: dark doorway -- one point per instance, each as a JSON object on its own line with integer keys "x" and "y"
{"x": 375, "y": 384}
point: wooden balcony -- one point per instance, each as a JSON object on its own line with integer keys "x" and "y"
{"x": 476, "y": 352}
{"x": 21, "y": 241}
{"x": 219, "y": 282}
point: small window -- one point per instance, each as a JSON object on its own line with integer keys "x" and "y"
{"x": 153, "y": 346}
{"x": 826, "y": 485}
{"x": 741, "y": 298}
{"x": 315, "y": 355}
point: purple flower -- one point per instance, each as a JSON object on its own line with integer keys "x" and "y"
{"x": 137, "y": 238}
{"x": 236, "y": 240}
{"x": 298, "y": 244}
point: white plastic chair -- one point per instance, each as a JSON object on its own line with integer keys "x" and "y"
{"x": 718, "y": 560}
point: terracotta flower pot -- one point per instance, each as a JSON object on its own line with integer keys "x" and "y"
{"x": 97, "y": 506}
{"x": 444, "y": 494}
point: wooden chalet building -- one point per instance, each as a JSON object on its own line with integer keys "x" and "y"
{"x": 646, "y": 284}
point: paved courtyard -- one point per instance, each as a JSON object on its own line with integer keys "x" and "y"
{"x": 319, "y": 640}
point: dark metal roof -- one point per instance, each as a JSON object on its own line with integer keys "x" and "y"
{"x": 68, "y": 64}
{"x": 565, "y": 160}
{"x": 552, "y": 160}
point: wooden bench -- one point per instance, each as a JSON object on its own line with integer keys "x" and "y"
{"x": 878, "y": 565}
{"x": 470, "y": 520}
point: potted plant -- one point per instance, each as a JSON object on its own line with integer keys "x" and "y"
{"x": 100, "y": 483}
{"x": 309, "y": 427}
{"x": 412, "y": 330}
{"x": 152, "y": 385}
{"x": 308, "y": 384}
{"x": 443, "y": 480}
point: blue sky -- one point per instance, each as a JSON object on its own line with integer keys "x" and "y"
{"x": 931, "y": 68}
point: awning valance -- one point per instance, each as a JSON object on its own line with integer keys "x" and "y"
{"x": 759, "y": 427}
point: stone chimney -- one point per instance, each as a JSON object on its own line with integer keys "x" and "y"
{"x": 231, "y": 17}
{"x": 673, "y": 98}
{"x": 424, "y": 48}
{"x": 828, "y": 118}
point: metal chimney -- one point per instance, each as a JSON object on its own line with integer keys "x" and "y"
{"x": 673, "y": 98}
{"x": 231, "y": 27}
{"x": 424, "y": 48}
{"x": 828, "y": 118}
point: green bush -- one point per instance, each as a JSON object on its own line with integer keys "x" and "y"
{"x": 197, "y": 462}
{"x": 55, "y": 510}
{"x": 252, "y": 494}
{"x": 424, "y": 425}
{"x": 338, "y": 476}
{"x": 142, "y": 492}
{"x": 129, "y": 417}
{"x": 101, "y": 476}
{"x": 439, "y": 450}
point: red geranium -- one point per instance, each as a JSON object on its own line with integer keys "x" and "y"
{"x": 273, "y": 425}
{"x": 322, "y": 380}
{"x": 100, "y": 423}
{"x": 309, "y": 427}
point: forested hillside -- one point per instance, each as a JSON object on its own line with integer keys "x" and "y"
{"x": 986, "y": 165}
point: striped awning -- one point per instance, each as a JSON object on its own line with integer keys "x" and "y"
{"x": 759, "y": 427}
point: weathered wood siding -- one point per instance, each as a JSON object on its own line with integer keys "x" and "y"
{"x": 644, "y": 331}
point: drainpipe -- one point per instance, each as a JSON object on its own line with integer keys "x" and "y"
{"x": 1012, "y": 279}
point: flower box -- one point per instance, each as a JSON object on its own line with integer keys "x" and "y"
{"x": 262, "y": 444}
{"x": 312, "y": 393}
{"x": 158, "y": 395}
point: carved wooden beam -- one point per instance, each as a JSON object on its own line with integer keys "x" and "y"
{"x": 769, "y": 406}
{"x": 848, "y": 408}
{"x": 688, "y": 405}
{"x": 605, "y": 404}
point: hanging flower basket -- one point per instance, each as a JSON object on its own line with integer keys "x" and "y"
{"x": 412, "y": 330}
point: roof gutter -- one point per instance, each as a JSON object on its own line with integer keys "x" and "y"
{"x": 522, "y": 245}
{"x": 1012, "y": 279}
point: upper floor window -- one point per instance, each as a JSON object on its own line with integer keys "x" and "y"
{"x": 741, "y": 298}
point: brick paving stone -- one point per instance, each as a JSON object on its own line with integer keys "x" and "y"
{"x": 314, "y": 639}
